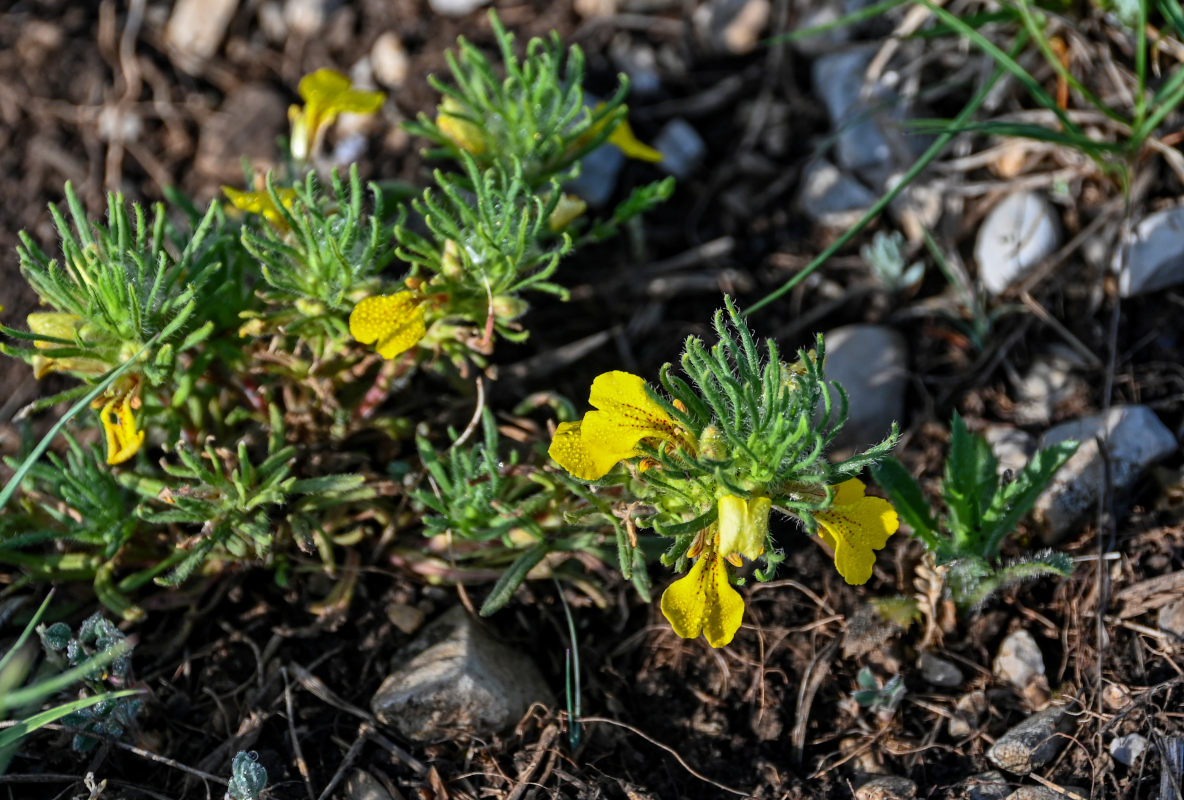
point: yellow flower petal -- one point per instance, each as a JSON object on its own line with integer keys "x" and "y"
{"x": 453, "y": 122}
{"x": 119, "y": 429}
{"x": 570, "y": 452}
{"x": 702, "y": 601}
{"x": 261, "y": 203}
{"x": 394, "y": 322}
{"x": 856, "y": 526}
{"x": 743, "y": 525}
{"x": 622, "y": 136}
{"x": 567, "y": 210}
{"x": 326, "y": 94}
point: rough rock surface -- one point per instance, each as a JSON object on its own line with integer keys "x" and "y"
{"x": 1152, "y": 254}
{"x": 456, "y": 680}
{"x": 1032, "y": 743}
{"x": 1134, "y": 439}
{"x": 871, "y": 364}
{"x": 1018, "y": 233}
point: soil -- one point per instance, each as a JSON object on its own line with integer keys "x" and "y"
{"x": 93, "y": 94}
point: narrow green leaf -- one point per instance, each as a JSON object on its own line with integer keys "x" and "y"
{"x": 512, "y": 578}
{"x": 1017, "y": 498}
{"x": 905, "y": 495}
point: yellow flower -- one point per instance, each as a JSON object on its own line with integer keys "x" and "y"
{"x": 119, "y": 426}
{"x": 326, "y": 94}
{"x": 856, "y": 526}
{"x": 743, "y": 526}
{"x": 703, "y": 601}
{"x": 60, "y": 325}
{"x": 454, "y": 123}
{"x": 394, "y": 322}
{"x": 622, "y": 136}
{"x": 626, "y": 415}
{"x": 262, "y": 203}
{"x": 567, "y": 210}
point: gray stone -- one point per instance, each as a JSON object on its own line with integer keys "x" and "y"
{"x": 1151, "y": 255}
{"x": 887, "y": 787}
{"x": 871, "y": 364}
{"x": 1171, "y": 618}
{"x": 828, "y": 41}
{"x": 682, "y": 148}
{"x": 831, "y": 197}
{"x": 732, "y": 26}
{"x": 868, "y": 123}
{"x": 991, "y": 785}
{"x": 361, "y": 785}
{"x": 1134, "y": 439}
{"x": 1019, "y": 661}
{"x": 455, "y": 680}
{"x": 405, "y": 617}
{"x": 1048, "y": 383}
{"x": 456, "y": 8}
{"x": 1018, "y": 234}
{"x": 968, "y": 713}
{"x": 1012, "y": 447}
{"x": 638, "y": 61}
{"x": 599, "y": 171}
{"x": 1032, "y": 743}
{"x": 305, "y": 17}
{"x": 1045, "y": 793}
{"x": 195, "y": 30}
{"x": 1127, "y": 749}
{"x": 389, "y": 60}
{"x": 1171, "y": 767}
{"x": 938, "y": 671}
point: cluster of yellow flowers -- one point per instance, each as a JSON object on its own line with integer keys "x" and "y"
{"x": 704, "y": 601}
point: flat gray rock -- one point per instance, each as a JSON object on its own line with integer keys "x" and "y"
{"x": 991, "y": 785}
{"x": 682, "y": 148}
{"x": 938, "y": 671}
{"x": 859, "y": 120}
{"x": 1127, "y": 749}
{"x": 871, "y": 364}
{"x": 1151, "y": 256}
{"x": 832, "y": 197}
{"x": 1134, "y": 440}
{"x": 455, "y": 680}
{"x": 1032, "y": 743}
{"x": 1016, "y": 236}
{"x": 195, "y": 31}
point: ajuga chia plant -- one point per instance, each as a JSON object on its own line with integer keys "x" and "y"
{"x": 131, "y": 288}
{"x": 739, "y": 434}
{"x": 93, "y": 659}
{"x": 497, "y": 227}
{"x": 484, "y": 494}
{"x": 980, "y": 512}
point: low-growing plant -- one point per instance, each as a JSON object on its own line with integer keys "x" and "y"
{"x": 248, "y": 778}
{"x": 980, "y": 512}
{"x": 740, "y": 433}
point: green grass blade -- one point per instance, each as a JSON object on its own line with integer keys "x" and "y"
{"x": 12, "y": 734}
{"x": 39, "y": 691}
{"x": 25, "y": 634}
{"x": 843, "y": 21}
{"x": 926, "y": 158}
{"x": 15, "y": 481}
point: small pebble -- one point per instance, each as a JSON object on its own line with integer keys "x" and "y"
{"x": 1152, "y": 254}
{"x": 887, "y": 787}
{"x": 305, "y": 17}
{"x": 405, "y": 617}
{"x": 597, "y": 180}
{"x": 968, "y": 714}
{"x": 1016, "y": 236}
{"x": 938, "y": 671}
{"x": 682, "y": 148}
{"x": 1045, "y": 793}
{"x": 1032, "y": 743}
{"x": 991, "y": 785}
{"x": 456, "y": 8}
{"x": 195, "y": 31}
{"x": 389, "y": 60}
{"x": 1049, "y": 382}
{"x": 1127, "y": 749}
{"x": 732, "y": 26}
{"x": 1019, "y": 661}
{"x": 831, "y": 197}
{"x": 361, "y": 785}
{"x": 1012, "y": 447}
{"x": 1171, "y": 618}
